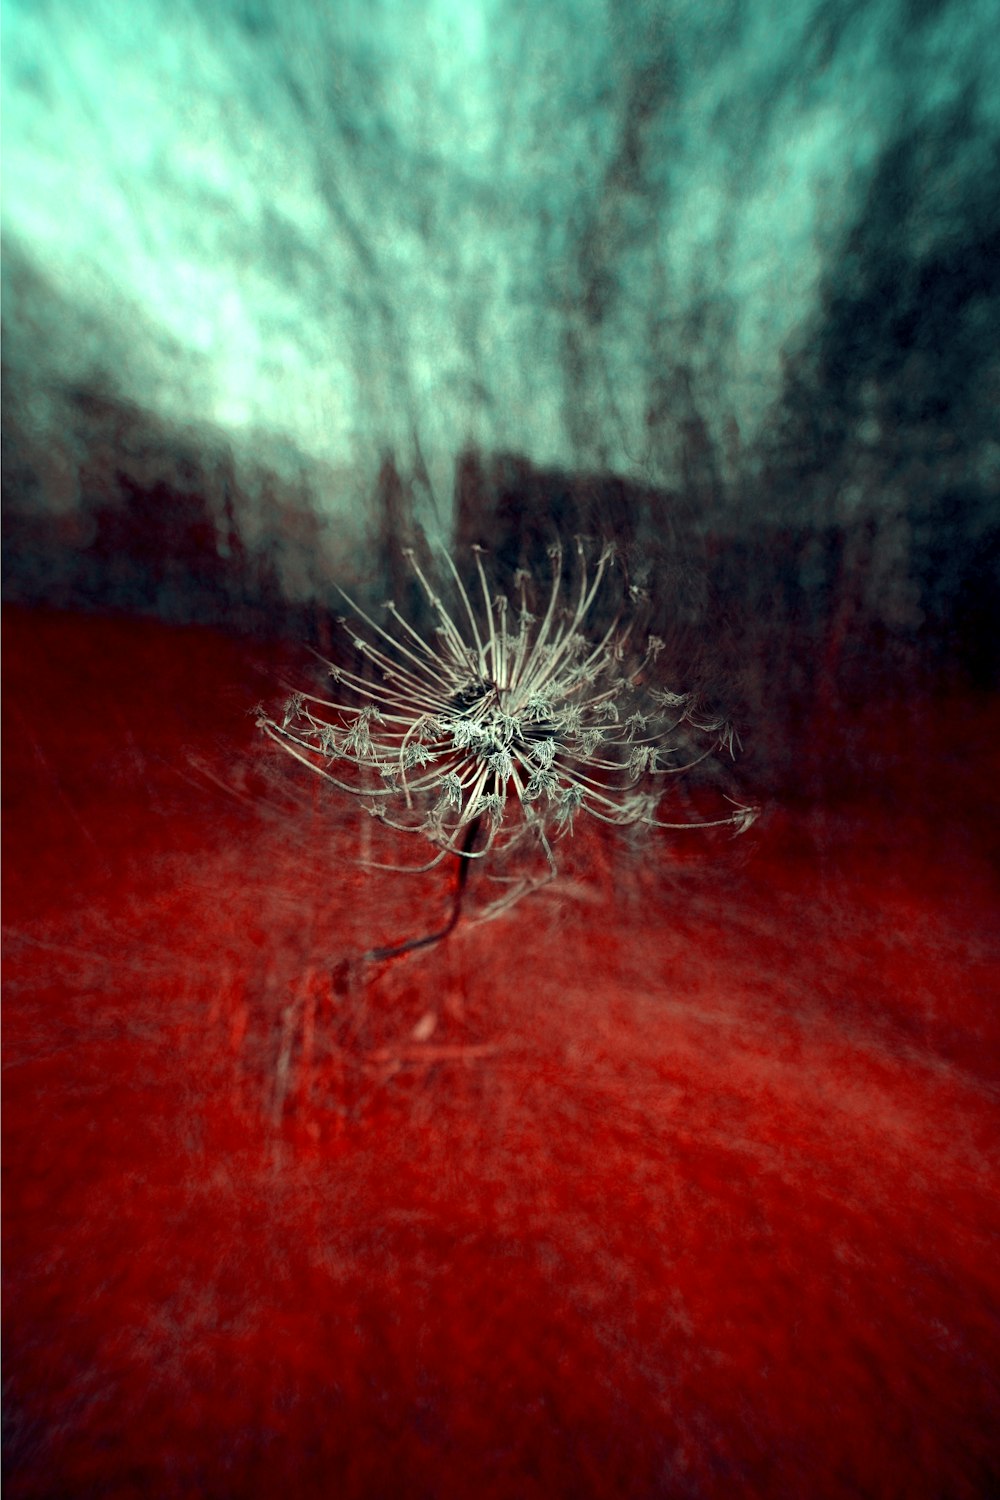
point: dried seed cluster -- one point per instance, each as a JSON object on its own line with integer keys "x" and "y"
{"x": 503, "y": 715}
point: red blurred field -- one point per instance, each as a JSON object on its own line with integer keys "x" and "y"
{"x": 678, "y": 1180}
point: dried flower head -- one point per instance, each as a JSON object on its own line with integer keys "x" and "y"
{"x": 503, "y": 719}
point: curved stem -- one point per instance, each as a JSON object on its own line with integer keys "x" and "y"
{"x": 462, "y": 876}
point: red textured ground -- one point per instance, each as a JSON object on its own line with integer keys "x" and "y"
{"x": 680, "y": 1180}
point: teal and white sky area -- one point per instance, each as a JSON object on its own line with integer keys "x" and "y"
{"x": 324, "y": 230}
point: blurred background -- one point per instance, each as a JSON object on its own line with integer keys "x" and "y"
{"x": 285, "y": 283}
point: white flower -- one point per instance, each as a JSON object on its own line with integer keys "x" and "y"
{"x": 451, "y": 791}
{"x": 543, "y": 751}
{"x": 470, "y": 723}
{"x": 416, "y": 754}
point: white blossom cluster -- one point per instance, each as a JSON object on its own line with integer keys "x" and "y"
{"x": 509, "y": 715}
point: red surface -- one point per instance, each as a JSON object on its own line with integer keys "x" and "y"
{"x": 688, "y": 1189}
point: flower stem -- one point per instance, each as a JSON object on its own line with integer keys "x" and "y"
{"x": 461, "y": 880}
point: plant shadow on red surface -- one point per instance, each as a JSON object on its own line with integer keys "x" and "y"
{"x": 675, "y": 1180}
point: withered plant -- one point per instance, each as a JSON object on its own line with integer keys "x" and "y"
{"x": 506, "y": 719}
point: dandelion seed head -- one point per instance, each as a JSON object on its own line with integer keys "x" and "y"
{"x": 510, "y": 729}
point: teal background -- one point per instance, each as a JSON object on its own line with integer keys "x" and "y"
{"x": 743, "y": 255}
